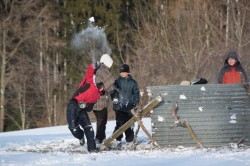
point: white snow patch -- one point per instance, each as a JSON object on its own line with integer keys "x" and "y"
{"x": 233, "y": 121}
{"x": 160, "y": 119}
{"x": 203, "y": 88}
{"x": 91, "y": 19}
{"x": 183, "y": 97}
{"x": 233, "y": 116}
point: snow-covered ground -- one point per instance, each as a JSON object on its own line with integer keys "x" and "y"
{"x": 56, "y": 146}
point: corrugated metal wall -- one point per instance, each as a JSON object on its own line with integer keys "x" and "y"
{"x": 218, "y": 114}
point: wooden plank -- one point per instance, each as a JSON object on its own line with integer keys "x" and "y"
{"x": 129, "y": 123}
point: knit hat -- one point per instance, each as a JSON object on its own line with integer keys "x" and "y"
{"x": 106, "y": 60}
{"x": 124, "y": 68}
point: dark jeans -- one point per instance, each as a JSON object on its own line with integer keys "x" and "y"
{"x": 78, "y": 119}
{"x": 101, "y": 121}
{"x": 121, "y": 119}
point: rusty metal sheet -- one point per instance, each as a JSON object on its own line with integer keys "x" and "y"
{"x": 218, "y": 114}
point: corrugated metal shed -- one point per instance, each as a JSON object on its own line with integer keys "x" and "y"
{"x": 218, "y": 115}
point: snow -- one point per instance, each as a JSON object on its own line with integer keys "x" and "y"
{"x": 92, "y": 19}
{"x": 203, "y": 88}
{"x": 183, "y": 97}
{"x": 56, "y": 146}
{"x": 160, "y": 119}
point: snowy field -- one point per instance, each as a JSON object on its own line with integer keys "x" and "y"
{"x": 56, "y": 146}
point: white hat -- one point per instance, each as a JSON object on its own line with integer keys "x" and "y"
{"x": 106, "y": 60}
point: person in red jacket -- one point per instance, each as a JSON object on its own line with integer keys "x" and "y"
{"x": 232, "y": 72}
{"x": 83, "y": 100}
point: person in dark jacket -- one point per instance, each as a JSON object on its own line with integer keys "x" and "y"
{"x": 125, "y": 98}
{"x": 232, "y": 72}
{"x": 83, "y": 100}
{"x": 101, "y": 107}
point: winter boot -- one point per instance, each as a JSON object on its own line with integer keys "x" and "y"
{"x": 91, "y": 145}
{"x": 94, "y": 151}
{"x": 129, "y": 135}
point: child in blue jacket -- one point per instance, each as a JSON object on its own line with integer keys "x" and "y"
{"x": 125, "y": 98}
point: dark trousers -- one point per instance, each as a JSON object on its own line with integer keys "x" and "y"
{"x": 78, "y": 119}
{"x": 121, "y": 119}
{"x": 101, "y": 121}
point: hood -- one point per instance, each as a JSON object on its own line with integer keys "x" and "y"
{"x": 232, "y": 54}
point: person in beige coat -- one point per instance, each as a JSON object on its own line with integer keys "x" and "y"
{"x": 100, "y": 109}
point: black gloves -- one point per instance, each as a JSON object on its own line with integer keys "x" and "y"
{"x": 101, "y": 88}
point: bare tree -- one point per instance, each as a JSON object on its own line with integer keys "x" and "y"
{"x": 23, "y": 60}
{"x": 3, "y": 78}
{"x": 185, "y": 40}
{"x": 175, "y": 46}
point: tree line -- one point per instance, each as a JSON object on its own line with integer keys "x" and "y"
{"x": 163, "y": 41}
